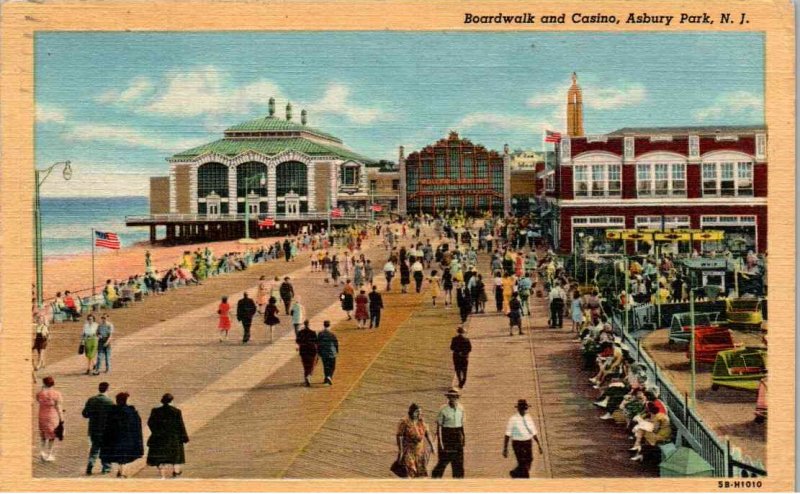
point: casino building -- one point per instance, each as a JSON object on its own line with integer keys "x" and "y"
{"x": 455, "y": 174}
{"x": 266, "y": 167}
{"x": 698, "y": 177}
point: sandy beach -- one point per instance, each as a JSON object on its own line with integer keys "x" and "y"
{"x": 74, "y": 272}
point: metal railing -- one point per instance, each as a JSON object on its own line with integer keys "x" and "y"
{"x": 689, "y": 424}
{"x": 161, "y": 218}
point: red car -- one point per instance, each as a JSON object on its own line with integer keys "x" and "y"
{"x": 708, "y": 341}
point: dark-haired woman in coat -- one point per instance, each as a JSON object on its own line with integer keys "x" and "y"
{"x": 168, "y": 435}
{"x": 122, "y": 436}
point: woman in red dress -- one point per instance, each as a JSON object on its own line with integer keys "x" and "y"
{"x": 224, "y": 319}
{"x": 362, "y": 314}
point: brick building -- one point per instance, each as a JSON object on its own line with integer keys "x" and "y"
{"x": 664, "y": 177}
{"x": 455, "y": 174}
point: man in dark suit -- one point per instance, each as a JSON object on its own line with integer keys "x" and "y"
{"x": 375, "y": 307}
{"x": 245, "y": 310}
{"x": 461, "y": 348}
{"x": 328, "y": 349}
{"x": 96, "y": 410}
{"x": 307, "y": 347}
{"x": 287, "y": 250}
{"x": 286, "y": 291}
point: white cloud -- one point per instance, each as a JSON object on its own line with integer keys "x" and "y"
{"x": 128, "y": 137}
{"x": 206, "y": 91}
{"x": 337, "y": 101}
{"x": 732, "y": 104}
{"x": 136, "y": 90}
{"x": 594, "y": 97}
{"x": 48, "y": 114}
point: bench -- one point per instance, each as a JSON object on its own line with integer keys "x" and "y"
{"x": 58, "y": 315}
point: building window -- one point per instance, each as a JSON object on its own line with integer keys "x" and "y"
{"x": 550, "y": 183}
{"x": 629, "y": 149}
{"x": 440, "y": 169}
{"x": 212, "y": 177}
{"x": 761, "y": 146}
{"x": 455, "y": 168}
{"x": 728, "y": 179}
{"x": 598, "y": 180}
{"x": 350, "y": 176}
{"x": 661, "y": 179}
{"x": 694, "y": 146}
{"x": 566, "y": 149}
{"x": 248, "y": 178}
{"x": 291, "y": 176}
{"x": 395, "y": 184}
{"x": 468, "y": 165}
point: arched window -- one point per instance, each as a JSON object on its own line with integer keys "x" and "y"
{"x": 292, "y": 176}
{"x": 212, "y": 177}
{"x": 248, "y": 177}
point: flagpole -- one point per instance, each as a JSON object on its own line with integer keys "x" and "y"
{"x": 93, "y": 283}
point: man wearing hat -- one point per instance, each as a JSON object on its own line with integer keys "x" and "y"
{"x": 461, "y": 347}
{"x": 450, "y": 437}
{"x": 521, "y": 431}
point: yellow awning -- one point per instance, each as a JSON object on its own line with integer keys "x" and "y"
{"x": 709, "y": 236}
{"x": 673, "y": 237}
{"x": 637, "y": 235}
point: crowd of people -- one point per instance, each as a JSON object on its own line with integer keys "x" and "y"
{"x": 422, "y": 254}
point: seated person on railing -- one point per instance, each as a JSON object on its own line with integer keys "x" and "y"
{"x": 186, "y": 276}
{"x": 72, "y": 307}
{"x": 655, "y": 429}
{"x": 139, "y": 288}
{"x": 152, "y": 283}
{"x": 58, "y": 303}
{"x": 126, "y": 293}
{"x": 111, "y": 295}
{"x": 612, "y": 397}
{"x": 609, "y": 362}
{"x": 633, "y": 405}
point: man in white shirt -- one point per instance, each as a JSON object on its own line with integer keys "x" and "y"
{"x": 450, "y": 438}
{"x": 557, "y": 297}
{"x": 521, "y": 431}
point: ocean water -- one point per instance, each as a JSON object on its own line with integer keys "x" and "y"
{"x": 67, "y": 222}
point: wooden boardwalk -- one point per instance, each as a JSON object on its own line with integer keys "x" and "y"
{"x": 249, "y": 416}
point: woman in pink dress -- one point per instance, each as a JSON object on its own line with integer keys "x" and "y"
{"x": 51, "y": 414}
{"x": 362, "y": 314}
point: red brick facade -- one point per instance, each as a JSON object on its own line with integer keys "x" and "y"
{"x": 740, "y": 214}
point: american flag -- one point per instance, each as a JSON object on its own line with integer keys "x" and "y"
{"x": 550, "y": 136}
{"x": 336, "y": 213}
{"x": 266, "y": 223}
{"x": 377, "y": 208}
{"x": 109, "y": 240}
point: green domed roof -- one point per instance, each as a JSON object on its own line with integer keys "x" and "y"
{"x": 274, "y": 124}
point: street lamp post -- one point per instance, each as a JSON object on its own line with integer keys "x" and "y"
{"x": 586, "y": 245}
{"x": 262, "y": 180}
{"x": 39, "y": 178}
{"x": 577, "y": 247}
{"x": 692, "y": 349}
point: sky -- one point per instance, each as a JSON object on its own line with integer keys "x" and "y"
{"x": 118, "y": 104}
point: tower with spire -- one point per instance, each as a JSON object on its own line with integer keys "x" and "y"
{"x": 574, "y": 109}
